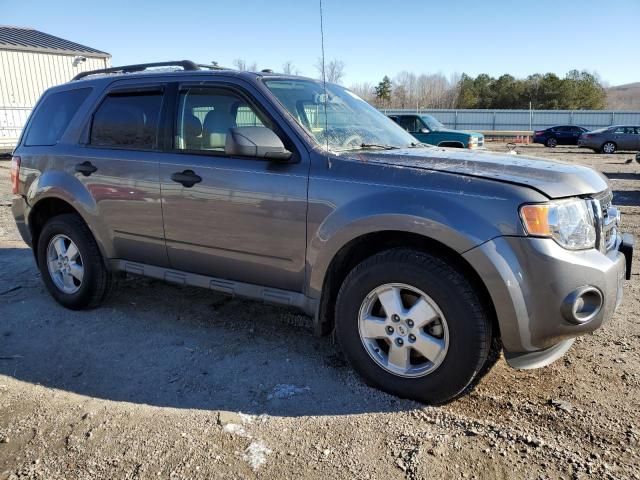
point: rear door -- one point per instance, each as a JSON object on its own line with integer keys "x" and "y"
{"x": 244, "y": 219}
{"x": 118, "y": 164}
{"x": 624, "y": 138}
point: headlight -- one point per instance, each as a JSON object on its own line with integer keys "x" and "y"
{"x": 568, "y": 222}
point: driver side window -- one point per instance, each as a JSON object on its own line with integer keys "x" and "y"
{"x": 205, "y": 116}
{"x": 411, "y": 124}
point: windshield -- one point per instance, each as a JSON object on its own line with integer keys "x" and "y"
{"x": 350, "y": 123}
{"x": 432, "y": 123}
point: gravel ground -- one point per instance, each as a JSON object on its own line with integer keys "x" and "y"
{"x": 171, "y": 382}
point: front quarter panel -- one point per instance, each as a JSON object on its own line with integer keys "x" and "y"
{"x": 354, "y": 198}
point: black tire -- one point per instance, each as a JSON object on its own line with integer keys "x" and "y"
{"x": 470, "y": 335}
{"x": 551, "y": 142}
{"x": 97, "y": 280}
{"x": 608, "y": 148}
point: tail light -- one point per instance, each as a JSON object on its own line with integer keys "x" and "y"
{"x": 15, "y": 174}
{"x": 586, "y": 135}
{"x": 539, "y": 133}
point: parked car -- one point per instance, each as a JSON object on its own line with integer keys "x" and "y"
{"x": 428, "y": 129}
{"x": 611, "y": 139}
{"x": 425, "y": 262}
{"x": 559, "y": 135}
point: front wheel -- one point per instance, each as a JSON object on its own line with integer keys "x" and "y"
{"x": 71, "y": 264}
{"x": 412, "y": 325}
{"x": 609, "y": 147}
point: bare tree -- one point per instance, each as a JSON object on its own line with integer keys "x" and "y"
{"x": 241, "y": 64}
{"x": 288, "y": 68}
{"x": 333, "y": 72}
{"x": 364, "y": 91}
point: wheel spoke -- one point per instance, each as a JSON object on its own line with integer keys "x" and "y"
{"x": 59, "y": 246}
{"x": 422, "y": 313}
{"x": 67, "y": 279}
{"x": 428, "y": 346}
{"x": 391, "y": 301}
{"x": 76, "y": 271}
{"x": 53, "y": 266}
{"x": 399, "y": 357}
{"x": 72, "y": 252}
{"x": 372, "y": 327}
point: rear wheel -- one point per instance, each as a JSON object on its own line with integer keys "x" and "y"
{"x": 609, "y": 147}
{"x": 551, "y": 142}
{"x": 412, "y": 325}
{"x": 70, "y": 263}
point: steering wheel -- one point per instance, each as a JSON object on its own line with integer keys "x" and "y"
{"x": 353, "y": 141}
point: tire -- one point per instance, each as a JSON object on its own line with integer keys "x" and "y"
{"x": 551, "y": 142}
{"x": 463, "y": 326}
{"x": 95, "y": 282}
{"x": 608, "y": 148}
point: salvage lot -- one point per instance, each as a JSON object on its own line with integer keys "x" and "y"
{"x": 172, "y": 382}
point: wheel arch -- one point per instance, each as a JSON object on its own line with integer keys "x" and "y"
{"x": 366, "y": 245}
{"x": 452, "y": 144}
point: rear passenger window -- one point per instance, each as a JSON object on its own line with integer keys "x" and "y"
{"x": 53, "y": 116}
{"x": 128, "y": 120}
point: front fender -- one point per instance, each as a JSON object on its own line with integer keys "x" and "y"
{"x": 451, "y": 218}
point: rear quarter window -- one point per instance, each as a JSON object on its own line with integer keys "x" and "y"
{"x": 53, "y": 116}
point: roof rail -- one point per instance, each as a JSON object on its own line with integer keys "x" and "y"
{"x": 185, "y": 64}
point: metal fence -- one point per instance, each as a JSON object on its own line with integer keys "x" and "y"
{"x": 12, "y": 119}
{"x": 521, "y": 120}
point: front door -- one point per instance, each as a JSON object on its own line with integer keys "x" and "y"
{"x": 242, "y": 219}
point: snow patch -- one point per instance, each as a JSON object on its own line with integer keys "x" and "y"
{"x": 256, "y": 454}
{"x": 285, "y": 390}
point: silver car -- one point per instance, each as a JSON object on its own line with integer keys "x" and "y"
{"x": 611, "y": 139}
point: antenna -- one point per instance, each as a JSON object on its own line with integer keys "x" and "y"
{"x": 324, "y": 86}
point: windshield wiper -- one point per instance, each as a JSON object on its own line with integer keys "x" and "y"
{"x": 419, "y": 145}
{"x": 378, "y": 145}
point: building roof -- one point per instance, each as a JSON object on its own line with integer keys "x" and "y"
{"x": 30, "y": 40}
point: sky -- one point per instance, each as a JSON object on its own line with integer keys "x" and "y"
{"x": 373, "y": 38}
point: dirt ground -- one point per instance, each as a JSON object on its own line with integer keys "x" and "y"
{"x": 171, "y": 382}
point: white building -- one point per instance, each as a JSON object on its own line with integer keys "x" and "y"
{"x": 30, "y": 62}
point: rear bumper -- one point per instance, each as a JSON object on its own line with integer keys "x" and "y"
{"x": 530, "y": 281}
{"x": 18, "y": 209}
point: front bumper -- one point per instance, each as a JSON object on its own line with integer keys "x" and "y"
{"x": 529, "y": 281}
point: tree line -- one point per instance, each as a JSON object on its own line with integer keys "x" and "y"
{"x": 577, "y": 90}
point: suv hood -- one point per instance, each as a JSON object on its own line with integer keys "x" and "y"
{"x": 462, "y": 133}
{"x": 552, "y": 178}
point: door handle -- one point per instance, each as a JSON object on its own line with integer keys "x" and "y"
{"x": 85, "y": 168}
{"x": 188, "y": 178}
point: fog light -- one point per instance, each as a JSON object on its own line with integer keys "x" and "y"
{"x": 582, "y": 305}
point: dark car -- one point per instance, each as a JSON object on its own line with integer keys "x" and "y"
{"x": 609, "y": 140}
{"x": 559, "y": 135}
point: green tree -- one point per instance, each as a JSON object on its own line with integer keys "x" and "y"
{"x": 383, "y": 91}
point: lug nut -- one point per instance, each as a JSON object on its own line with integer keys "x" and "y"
{"x": 400, "y": 342}
{"x": 389, "y": 330}
{"x": 412, "y": 337}
{"x": 395, "y": 318}
{"x": 410, "y": 323}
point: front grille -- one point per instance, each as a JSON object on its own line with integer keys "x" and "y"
{"x": 607, "y": 219}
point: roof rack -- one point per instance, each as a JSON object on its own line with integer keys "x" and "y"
{"x": 185, "y": 64}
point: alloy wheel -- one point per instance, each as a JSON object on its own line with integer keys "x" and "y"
{"x": 403, "y": 330}
{"x": 65, "y": 264}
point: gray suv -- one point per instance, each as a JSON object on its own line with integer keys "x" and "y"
{"x": 425, "y": 262}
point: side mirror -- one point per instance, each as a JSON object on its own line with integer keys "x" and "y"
{"x": 257, "y": 142}
{"x": 424, "y": 130}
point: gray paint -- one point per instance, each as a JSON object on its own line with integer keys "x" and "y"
{"x": 269, "y": 230}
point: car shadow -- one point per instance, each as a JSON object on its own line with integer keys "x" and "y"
{"x": 169, "y": 346}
